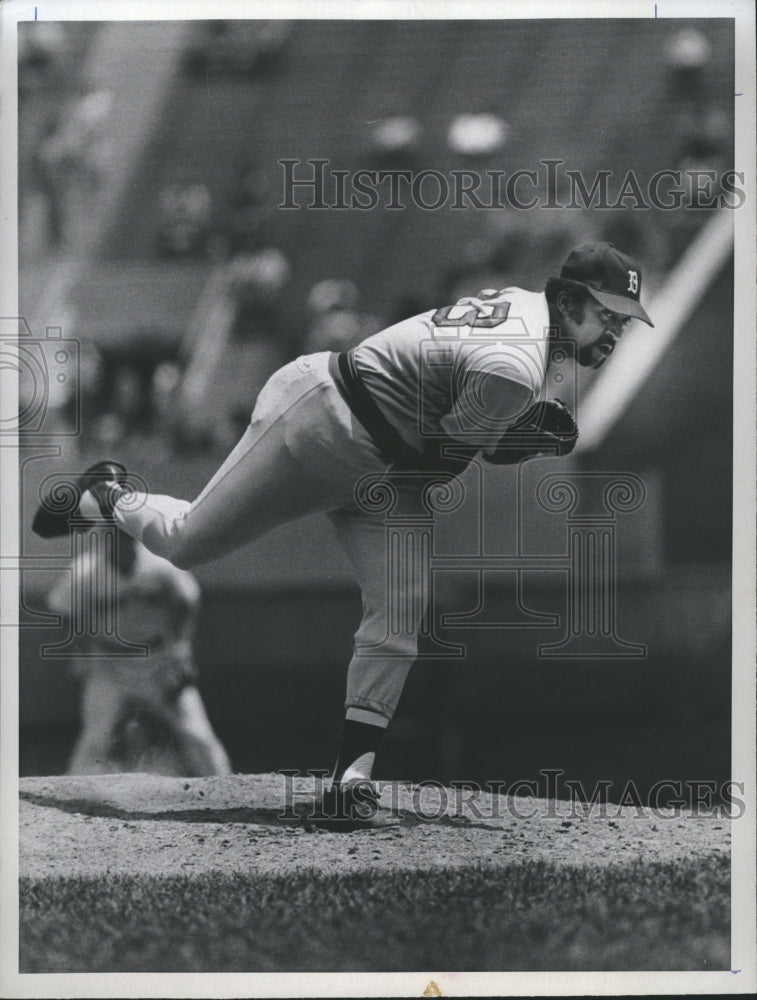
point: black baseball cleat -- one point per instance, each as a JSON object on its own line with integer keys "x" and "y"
{"x": 354, "y": 806}
{"x": 62, "y": 501}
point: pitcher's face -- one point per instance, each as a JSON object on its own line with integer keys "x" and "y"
{"x": 595, "y": 333}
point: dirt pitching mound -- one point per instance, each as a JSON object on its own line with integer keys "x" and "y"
{"x": 143, "y": 824}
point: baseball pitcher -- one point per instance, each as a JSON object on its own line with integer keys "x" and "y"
{"x": 325, "y": 421}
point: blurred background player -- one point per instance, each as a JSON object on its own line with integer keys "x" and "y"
{"x": 338, "y": 321}
{"x": 140, "y": 713}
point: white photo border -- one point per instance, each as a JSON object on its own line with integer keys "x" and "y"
{"x": 402, "y": 984}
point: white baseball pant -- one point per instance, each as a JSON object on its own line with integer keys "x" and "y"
{"x": 304, "y": 451}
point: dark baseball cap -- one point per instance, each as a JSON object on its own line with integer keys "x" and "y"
{"x": 611, "y": 277}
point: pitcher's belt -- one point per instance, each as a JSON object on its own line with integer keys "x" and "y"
{"x": 356, "y": 395}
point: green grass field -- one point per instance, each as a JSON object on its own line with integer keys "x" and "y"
{"x": 530, "y": 916}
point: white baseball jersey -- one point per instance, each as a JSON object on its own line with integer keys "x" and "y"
{"x": 460, "y": 371}
{"x": 154, "y": 602}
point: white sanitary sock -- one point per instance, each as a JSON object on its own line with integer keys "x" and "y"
{"x": 360, "y": 768}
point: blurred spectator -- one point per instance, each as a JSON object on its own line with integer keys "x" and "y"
{"x": 72, "y": 161}
{"x": 132, "y": 394}
{"x": 477, "y": 134}
{"x": 708, "y": 146}
{"x": 185, "y": 219}
{"x": 90, "y": 115}
{"x": 44, "y": 55}
{"x": 165, "y": 383}
{"x": 91, "y": 370}
{"x": 109, "y": 428}
{"x": 43, "y": 186}
{"x": 337, "y": 322}
{"x": 139, "y": 713}
{"x": 123, "y": 395}
{"x": 705, "y": 153}
{"x": 689, "y": 54}
{"x": 248, "y": 47}
{"x": 257, "y": 281}
{"x": 250, "y": 203}
{"x": 395, "y": 138}
{"x": 333, "y": 294}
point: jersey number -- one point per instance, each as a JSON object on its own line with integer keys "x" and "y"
{"x": 472, "y": 318}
